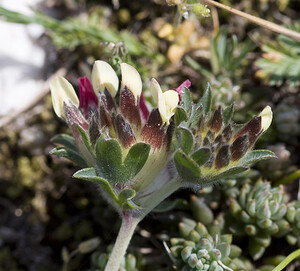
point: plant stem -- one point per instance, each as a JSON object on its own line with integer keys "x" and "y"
{"x": 264, "y": 23}
{"x": 293, "y": 176}
{"x": 159, "y": 196}
{"x": 126, "y": 231}
{"x": 287, "y": 260}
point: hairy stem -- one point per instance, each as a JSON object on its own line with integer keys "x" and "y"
{"x": 158, "y": 196}
{"x": 126, "y": 231}
{"x": 264, "y": 23}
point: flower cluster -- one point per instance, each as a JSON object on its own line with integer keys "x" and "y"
{"x": 126, "y": 149}
{"x": 123, "y": 144}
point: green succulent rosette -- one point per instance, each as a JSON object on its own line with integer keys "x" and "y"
{"x": 259, "y": 211}
{"x": 293, "y": 217}
{"x": 197, "y": 249}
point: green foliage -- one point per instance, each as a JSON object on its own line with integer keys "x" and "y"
{"x": 197, "y": 249}
{"x": 260, "y": 212}
{"x": 227, "y": 60}
{"x": 74, "y": 156}
{"x": 227, "y": 55}
{"x": 209, "y": 148}
{"x": 280, "y": 61}
{"x": 110, "y": 162}
{"x": 293, "y": 217}
{"x": 129, "y": 263}
{"x": 123, "y": 200}
{"x": 74, "y": 32}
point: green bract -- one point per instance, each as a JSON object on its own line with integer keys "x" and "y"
{"x": 210, "y": 146}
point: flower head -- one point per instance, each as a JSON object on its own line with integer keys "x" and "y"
{"x": 62, "y": 92}
{"x": 126, "y": 144}
{"x": 126, "y": 149}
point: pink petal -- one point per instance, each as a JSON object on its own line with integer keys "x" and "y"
{"x": 87, "y": 96}
{"x": 186, "y": 83}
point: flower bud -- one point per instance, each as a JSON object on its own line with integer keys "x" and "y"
{"x": 104, "y": 77}
{"x": 266, "y": 118}
{"x": 62, "y": 93}
{"x": 87, "y": 96}
{"x": 131, "y": 79}
{"x": 166, "y": 102}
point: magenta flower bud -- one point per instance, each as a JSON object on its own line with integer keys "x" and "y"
{"x": 87, "y": 96}
{"x": 179, "y": 90}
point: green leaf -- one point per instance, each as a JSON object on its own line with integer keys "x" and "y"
{"x": 230, "y": 173}
{"x": 206, "y": 100}
{"x": 65, "y": 140}
{"x": 109, "y": 159}
{"x": 126, "y": 194}
{"x": 89, "y": 174}
{"x": 257, "y": 155}
{"x": 201, "y": 156}
{"x": 256, "y": 250}
{"x": 227, "y": 114}
{"x": 186, "y": 167}
{"x": 125, "y": 199}
{"x": 186, "y": 139}
{"x": 135, "y": 160}
{"x": 130, "y": 205}
{"x": 195, "y": 116}
{"x": 180, "y": 115}
{"x": 186, "y": 100}
{"x": 69, "y": 154}
{"x": 85, "y": 139}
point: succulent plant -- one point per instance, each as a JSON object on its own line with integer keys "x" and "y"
{"x": 293, "y": 216}
{"x": 286, "y": 121}
{"x": 99, "y": 261}
{"x": 260, "y": 212}
{"x": 224, "y": 91}
{"x": 197, "y": 249}
{"x": 274, "y": 169}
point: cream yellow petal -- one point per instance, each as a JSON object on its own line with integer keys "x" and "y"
{"x": 104, "y": 76}
{"x": 131, "y": 79}
{"x": 158, "y": 98}
{"x": 161, "y": 104}
{"x": 266, "y": 118}
{"x": 155, "y": 89}
{"x": 171, "y": 100}
{"x": 166, "y": 102}
{"x": 62, "y": 92}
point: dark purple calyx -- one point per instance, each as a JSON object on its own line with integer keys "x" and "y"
{"x": 129, "y": 107}
{"x": 143, "y": 108}
{"x": 154, "y": 131}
